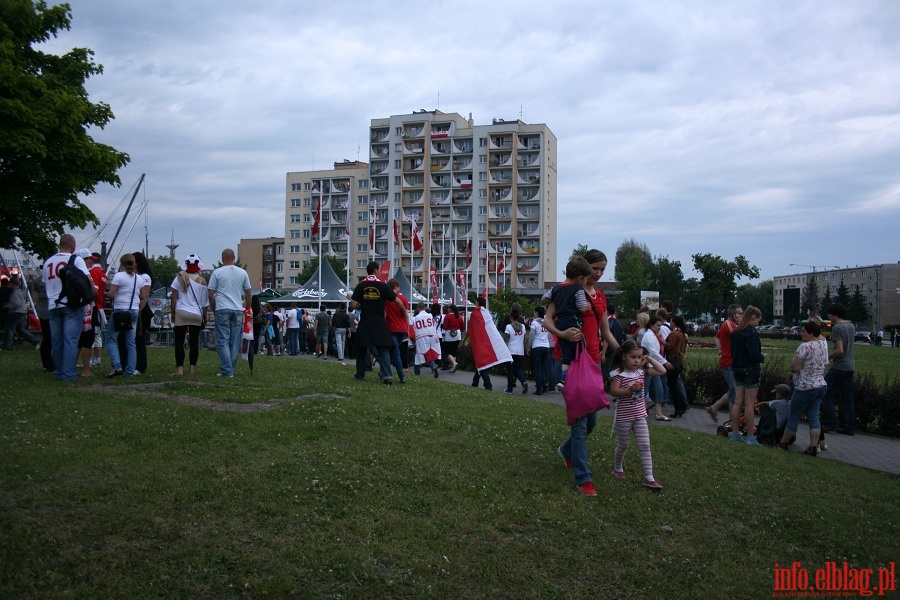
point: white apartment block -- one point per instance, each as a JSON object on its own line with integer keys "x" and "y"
{"x": 482, "y": 197}
{"x": 878, "y": 284}
{"x": 340, "y": 197}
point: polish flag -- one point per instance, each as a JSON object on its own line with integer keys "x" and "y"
{"x": 468, "y": 254}
{"x": 371, "y": 238}
{"x": 396, "y": 233}
{"x": 315, "y": 227}
{"x": 416, "y": 240}
{"x": 488, "y": 346}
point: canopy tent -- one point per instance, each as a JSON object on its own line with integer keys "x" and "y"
{"x": 333, "y": 290}
{"x": 265, "y": 294}
{"x": 450, "y": 294}
{"x": 408, "y": 290}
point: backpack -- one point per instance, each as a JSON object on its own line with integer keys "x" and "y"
{"x": 77, "y": 288}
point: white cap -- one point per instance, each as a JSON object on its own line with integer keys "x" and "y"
{"x": 83, "y": 252}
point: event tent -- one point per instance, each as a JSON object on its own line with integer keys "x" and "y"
{"x": 333, "y": 290}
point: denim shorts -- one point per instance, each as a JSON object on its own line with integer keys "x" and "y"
{"x": 746, "y": 378}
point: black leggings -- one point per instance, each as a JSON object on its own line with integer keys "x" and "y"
{"x": 193, "y": 333}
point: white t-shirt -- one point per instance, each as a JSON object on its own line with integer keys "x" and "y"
{"x": 129, "y": 292}
{"x": 229, "y": 283}
{"x": 193, "y": 299}
{"x": 50, "y": 274}
{"x": 424, "y": 324}
{"x": 540, "y": 337}
{"x": 515, "y": 340}
{"x": 290, "y": 319}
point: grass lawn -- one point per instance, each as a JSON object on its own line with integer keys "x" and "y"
{"x": 210, "y": 489}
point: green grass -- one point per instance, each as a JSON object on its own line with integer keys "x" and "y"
{"x": 426, "y": 490}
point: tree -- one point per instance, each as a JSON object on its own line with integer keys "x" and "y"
{"x": 165, "y": 268}
{"x": 632, "y": 276}
{"x": 580, "y": 250}
{"x": 827, "y": 300}
{"x": 692, "y": 307}
{"x": 633, "y": 246}
{"x": 501, "y": 302}
{"x": 843, "y": 295}
{"x": 760, "y": 296}
{"x": 809, "y": 304}
{"x": 47, "y": 157}
{"x": 857, "y": 310}
{"x": 669, "y": 279}
{"x": 339, "y": 266}
{"x": 718, "y": 282}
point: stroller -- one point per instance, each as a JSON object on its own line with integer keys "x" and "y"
{"x": 767, "y": 433}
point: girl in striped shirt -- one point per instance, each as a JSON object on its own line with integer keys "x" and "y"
{"x": 630, "y": 364}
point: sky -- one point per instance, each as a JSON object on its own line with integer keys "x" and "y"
{"x": 764, "y": 129}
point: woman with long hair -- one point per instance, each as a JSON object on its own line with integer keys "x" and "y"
{"x": 142, "y": 325}
{"x": 129, "y": 296}
{"x": 650, "y": 342}
{"x": 746, "y": 361}
{"x": 453, "y": 327}
{"x": 190, "y": 299}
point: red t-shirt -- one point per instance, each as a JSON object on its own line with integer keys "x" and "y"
{"x": 724, "y": 337}
{"x": 591, "y": 327}
{"x": 98, "y": 276}
{"x": 395, "y": 321}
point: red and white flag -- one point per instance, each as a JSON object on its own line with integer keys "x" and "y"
{"x": 416, "y": 240}
{"x": 315, "y": 227}
{"x": 468, "y": 254}
{"x": 488, "y": 346}
{"x": 371, "y": 237}
{"x": 396, "y": 233}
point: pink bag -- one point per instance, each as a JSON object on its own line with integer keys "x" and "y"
{"x": 583, "y": 391}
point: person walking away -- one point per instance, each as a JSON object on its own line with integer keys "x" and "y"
{"x": 722, "y": 339}
{"x": 515, "y": 335}
{"x": 630, "y": 365}
{"x": 676, "y": 348}
{"x": 370, "y": 296}
{"x": 65, "y": 321}
{"x": 840, "y": 375}
{"x": 128, "y": 297}
{"x": 452, "y": 327}
{"x": 746, "y": 361}
{"x": 398, "y": 325}
{"x": 190, "y": 299}
{"x": 323, "y": 322}
{"x": 17, "y": 316}
{"x": 428, "y": 346}
{"x": 539, "y": 351}
{"x": 227, "y": 285}
{"x": 488, "y": 347}
{"x": 341, "y": 322}
{"x": 292, "y": 327}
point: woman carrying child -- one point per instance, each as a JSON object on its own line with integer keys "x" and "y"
{"x": 630, "y": 366}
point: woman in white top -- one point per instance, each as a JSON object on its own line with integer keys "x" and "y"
{"x": 808, "y": 368}
{"x": 653, "y": 383}
{"x": 129, "y": 295}
{"x": 190, "y": 297}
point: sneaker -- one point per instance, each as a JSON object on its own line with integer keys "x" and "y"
{"x": 525, "y": 388}
{"x": 752, "y": 441}
{"x": 343, "y": 364}
{"x": 735, "y": 437}
{"x": 436, "y": 373}
{"x": 587, "y": 488}
{"x": 453, "y": 367}
{"x": 568, "y": 461}
{"x": 823, "y": 445}
{"x": 507, "y": 391}
{"x": 560, "y": 386}
{"x": 619, "y": 474}
{"x": 224, "y": 375}
{"x": 653, "y": 485}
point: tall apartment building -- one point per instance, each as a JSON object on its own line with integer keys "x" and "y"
{"x": 340, "y": 199}
{"x": 264, "y": 259}
{"x": 481, "y": 198}
{"x": 878, "y": 284}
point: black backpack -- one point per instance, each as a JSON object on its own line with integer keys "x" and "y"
{"x": 77, "y": 288}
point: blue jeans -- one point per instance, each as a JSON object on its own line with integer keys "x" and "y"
{"x": 575, "y": 448}
{"x": 112, "y": 343}
{"x": 293, "y": 345}
{"x": 654, "y": 386}
{"x": 728, "y": 374}
{"x": 383, "y": 354}
{"x": 17, "y": 322}
{"x": 229, "y": 326}
{"x": 843, "y": 381}
{"x": 65, "y": 329}
{"x": 805, "y": 402}
{"x": 397, "y": 358}
{"x": 541, "y": 364}
{"x": 340, "y": 341}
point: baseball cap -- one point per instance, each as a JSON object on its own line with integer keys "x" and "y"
{"x": 782, "y": 388}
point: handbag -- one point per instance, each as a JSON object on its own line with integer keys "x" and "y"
{"x": 122, "y": 319}
{"x": 584, "y": 391}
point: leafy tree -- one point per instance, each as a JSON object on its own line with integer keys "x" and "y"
{"x": 632, "y": 246}
{"x": 632, "y": 276}
{"x": 843, "y": 295}
{"x": 669, "y": 279}
{"x": 691, "y": 306}
{"x": 809, "y": 303}
{"x": 501, "y": 302}
{"x": 165, "y": 268}
{"x": 857, "y": 310}
{"x": 827, "y": 300}
{"x": 718, "y": 282}
{"x": 47, "y": 157}
{"x": 580, "y": 250}
{"x": 760, "y": 296}
{"x": 339, "y": 266}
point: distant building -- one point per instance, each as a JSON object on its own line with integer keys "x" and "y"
{"x": 264, "y": 259}
{"x": 878, "y": 284}
{"x": 480, "y": 201}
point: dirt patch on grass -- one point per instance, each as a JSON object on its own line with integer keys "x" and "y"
{"x": 155, "y": 390}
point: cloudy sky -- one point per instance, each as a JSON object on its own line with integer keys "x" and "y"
{"x": 768, "y": 129}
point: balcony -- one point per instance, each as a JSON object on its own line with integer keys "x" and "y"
{"x": 379, "y": 135}
{"x": 378, "y": 199}
{"x": 528, "y": 194}
{"x": 413, "y": 197}
{"x": 442, "y": 147}
{"x": 527, "y": 264}
{"x": 462, "y": 182}
{"x": 438, "y": 198}
{"x": 439, "y": 164}
{"x": 462, "y": 146}
{"x": 413, "y": 148}
{"x": 462, "y": 163}
{"x": 503, "y": 194}
{"x": 440, "y": 181}
{"x": 413, "y": 164}
{"x": 462, "y": 196}
{"x": 530, "y": 177}
{"x": 413, "y": 181}
{"x": 380, "y": 151}
{"x": 441, "y": 130}
{"x": 378, "y": 167}
{"x": 501, "y": 160}
{"x": 527, "y": 280}
{"x": 380, "y": 183}
{"x": 530, "y": 246}
{"x": 461, "y": 230}
{"x": 530, "y": 142}
{"x": 415, "y": 130}
{"x": 501, "y": 142}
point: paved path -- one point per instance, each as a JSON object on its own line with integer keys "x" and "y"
{"x": 864, "y": 450}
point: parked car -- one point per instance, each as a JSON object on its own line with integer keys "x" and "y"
{"x": 863, "y": 336}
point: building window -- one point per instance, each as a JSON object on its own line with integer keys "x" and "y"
{"x": 364, "y": 199}
{"x": 306, "y": 186}
{"x": 295, "y": 280}
{"x": 482, "y": 142}
{"x": 305, "y": 251}
{"x": 307, "y": 202}
{"x": 396, "y": 164}
{"x": 295, "y": 264}
{"x": 306, "y": 233}
{"x": 862, "y": 273}
{"x": 399, "y": 131}
{"x": 279, "y": 249}
{"x": 482, "y": 210}
{"x": 482, "y": 227}
{"x": 362, "y": 231}
{"x": 295, "y": 187}
{"x": 397, "y": 148}
{"x": 295, "y": 202}
{"x": 482, "y": 193}
{"x": 294, "y": 249}
{"x": 362, "y": 247}
{"x": 295, "y": 218}
{"x": 483, "y": 159}
{"x": 482, "y": 176}
{"x": 853, "y": 275}
{"x": 295, "y": 233}
{"x": 363, "y": 183}
{"x": 279, "y": 267}
{"x": 397, "y": 180}
{"x": 396, "y": 196}
{"x": 362, "y": 215}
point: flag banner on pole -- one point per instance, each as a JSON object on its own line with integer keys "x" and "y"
{"x": 416, "y": 240}
{"x": 385, "y": 272}
{"x": 396, "y": 233}
{"x": 315, "y": 226}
